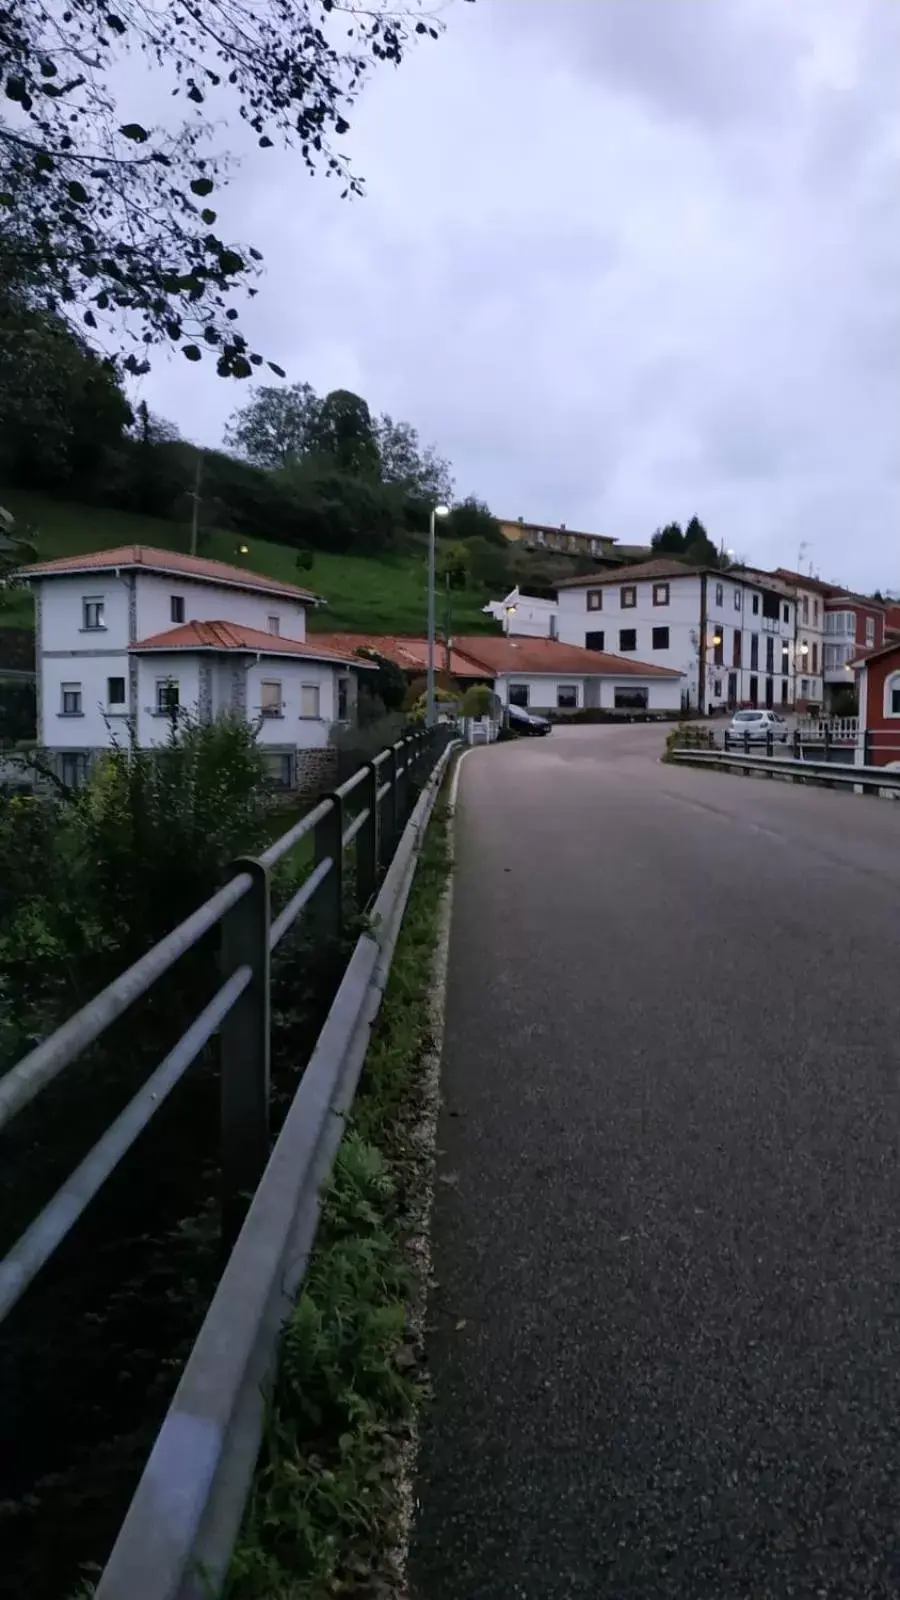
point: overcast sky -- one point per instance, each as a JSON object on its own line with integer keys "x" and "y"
{"x": 622, "y": 261}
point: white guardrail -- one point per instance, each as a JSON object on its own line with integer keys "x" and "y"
{"x": 832, "y": 774}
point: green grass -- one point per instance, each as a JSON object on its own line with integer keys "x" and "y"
{"x": 383, "y": 594}
{"x": 324, "y": 1512}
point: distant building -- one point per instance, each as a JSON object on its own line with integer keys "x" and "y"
{"x": 558, "y": 539}
{"x": 525, "y": 614}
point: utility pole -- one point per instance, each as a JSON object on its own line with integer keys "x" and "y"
{"x": 447, "y": 623}
{"x": 195, "y": 514}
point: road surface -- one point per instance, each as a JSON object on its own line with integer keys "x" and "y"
{"x": 665, "y": 1337}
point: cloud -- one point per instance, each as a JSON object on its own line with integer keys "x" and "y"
{"x": 622, "y": 261}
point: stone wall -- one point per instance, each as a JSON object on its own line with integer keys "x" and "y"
{"x": 316, "y": 772}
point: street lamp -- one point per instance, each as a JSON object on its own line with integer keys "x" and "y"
{"x": 436, "y": 511}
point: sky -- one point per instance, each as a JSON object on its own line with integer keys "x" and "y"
{"x": 622, "y": 261}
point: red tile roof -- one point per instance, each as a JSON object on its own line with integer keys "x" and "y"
{"x": 411, "y": 655}
{"x": 234, "y": 636}
{"x": 499, "y": 654}
{"x": 173, "y": 562}
{"x": 661, "y": 567}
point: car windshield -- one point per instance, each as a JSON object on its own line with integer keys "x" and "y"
{"x": 748, "y": 716}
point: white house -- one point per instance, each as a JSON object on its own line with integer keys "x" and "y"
{"x": 526, "y": 614}
{"x": 729, "y": 635}
{"x": 809, "y": 595}
{"x": 134, "y": 635}
{"x": 547, "y": 675}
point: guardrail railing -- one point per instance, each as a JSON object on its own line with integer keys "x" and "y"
{"x": 224, "y": 1373}
{"x": 871, "y": 780}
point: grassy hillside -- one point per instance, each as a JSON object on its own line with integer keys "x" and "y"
{"x": 384, "y": 594}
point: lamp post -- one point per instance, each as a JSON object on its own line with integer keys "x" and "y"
{"x": 436, "y": 511}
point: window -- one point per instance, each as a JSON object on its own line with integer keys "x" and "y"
{"x": 737, "y": 599}
{"x": 806, "y": 608}
{"x": 518, "y": 695}
{"x": 627, "y": 639}
{"x": 720, "y": 593}
{"x": 870, "y": 630}
{"x": 785, "y": 658}
{"x": 756, "y": 605}
{"x": 115, "y": 691}
{"x": 343, "y": 699}
{"x": 815, "y": 611}
{"x": 892, "y": 696}
{"x": 280, "y": 767}
{"x": 815, "y": 655}
{"x": 784, "y": 691}
{"x": 785, "y": 613}
{"x": 595, "y": 599}
{"x": 273, "y": 624}
{"x": 628, "y": 698}
{"x": 270, "y": 699}
{"x": 718, "y": 639}
{"x": 594, "y": 641}
{"x": 717, "y": 689}
{"x": 72, "y": 768}
{"x": 754, "y": 650}
{"x": 166, "y": 697}
{"x": 660, "y": 594}
{"x": 176, "y": 607}
{"x": 804, "y": 687}
{"x": 754, "y": 691}
{"x": 660, "y": 638}
{"x": 770, "y": 654}
{"x": 736, "y": 648}
{"x": 567, "y": 697}
{"x": 628, "y": 596}
{"x": 71, "y": 700}
{"x": 309, "y": 700}
{"x": 92, "y": 614}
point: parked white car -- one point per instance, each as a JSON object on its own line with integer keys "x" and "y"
{"x": 756, "y": 726}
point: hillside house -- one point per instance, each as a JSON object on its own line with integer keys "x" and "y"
{"x": 135, "y": 636}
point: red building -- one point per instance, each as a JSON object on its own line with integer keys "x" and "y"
{"x": 854, "y": 625}
{"x": 878, "y": 677}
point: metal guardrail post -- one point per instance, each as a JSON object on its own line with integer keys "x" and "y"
{"x": 387, "y": 831}
{"x": 367, "y": 840}
{"x": 244, "y": 1051}
{"x": 402, "y": 784}
{"x": 746, "y": 741}
{"x": 796, "y": 744}
{"x": 867, "y": 747}
{"x": 327, "y": 905}
{"x": 769, "y": 742}
{"x": 827, "y": 743}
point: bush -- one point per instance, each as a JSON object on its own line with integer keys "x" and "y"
{"x": 478, "y": 701}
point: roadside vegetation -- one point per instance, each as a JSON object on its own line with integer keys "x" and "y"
{"x": 326, "y": 1514}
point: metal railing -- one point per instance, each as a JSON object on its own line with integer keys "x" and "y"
{"x": 869, "y": 780}
{"x": 175, "y": 1536}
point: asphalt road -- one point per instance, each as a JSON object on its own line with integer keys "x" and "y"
{"x": 665, "y": 1337}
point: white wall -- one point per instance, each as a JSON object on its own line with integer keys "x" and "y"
{"x": 89, "y": 731}
{"x": 181, "y": 668}
{"x": 664, "y": 694}
{"x": 682, "y": 618}
{"x": 292, "y": 728}
{"x": 62, "y": 613}
{"x": 207, "y": 602}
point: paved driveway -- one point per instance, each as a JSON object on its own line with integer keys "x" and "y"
{"x": 666, "y": 1332}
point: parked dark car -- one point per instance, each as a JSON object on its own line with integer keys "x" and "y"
{"x": 526, "y": 723}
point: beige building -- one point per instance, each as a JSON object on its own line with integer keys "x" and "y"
{"x": 561, "y": 540}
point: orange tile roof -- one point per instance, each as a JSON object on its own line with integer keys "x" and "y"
{"x": 661, "y": 567}
{"x": 411, "y": 655}
{"x": 520, "y": 654}
{"x": 169, "y": 561}
{"x": 234, "y": 636}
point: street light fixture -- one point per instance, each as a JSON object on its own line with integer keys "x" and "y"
{"x": 436, "y": 511}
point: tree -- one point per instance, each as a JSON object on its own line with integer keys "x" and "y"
{"x": 424, "y": 473}
{"x": 342, "y": 430}
{"x": 669, "y": 540}
{"x": 490, "y": 565}
{"x": 105, "y": 211}
{"x": 275, "y": 428}
{"x": 388, "y": 684}
{"x": 472, "y": 519}
{"x": 453, "y": 564}
{"x": 698, "y": 546}
{"x": 18, "y": 547}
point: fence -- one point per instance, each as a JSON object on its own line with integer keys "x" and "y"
{"x": 799, "y": 769}
{"x": 177, "y": 1537}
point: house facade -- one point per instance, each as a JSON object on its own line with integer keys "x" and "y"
{"x": 728, "y": 635}
{"x": 878, "y": 682}
{"x": 809, "y": 595}
{"x": 854, "y": 625}
{"x": 537, "y": 674}
{"x": 561, "y": 540}
{"x": 133, "y": 637}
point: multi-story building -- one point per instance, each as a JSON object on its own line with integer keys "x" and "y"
{"x": 854, "y": 624}
{"x": 136, "y": 637}
{"x": 730, "y": 633}
{"x": 809, "y": 595}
